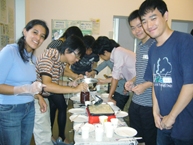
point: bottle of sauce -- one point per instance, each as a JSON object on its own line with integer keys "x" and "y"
{"x": 84, "y": 96}
{"x": 109, "y": 87}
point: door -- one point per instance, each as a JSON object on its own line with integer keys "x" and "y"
{"x": 122, "y": 33}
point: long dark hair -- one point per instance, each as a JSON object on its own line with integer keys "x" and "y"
{"x": 21, "y": 42}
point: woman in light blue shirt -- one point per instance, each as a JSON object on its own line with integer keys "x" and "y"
{"x": 18, "y": 87}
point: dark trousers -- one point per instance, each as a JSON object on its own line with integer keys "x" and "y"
{"x": 121, "y": 100}
{"x": 57, "y": 101}
{"x": 141, "y": 118}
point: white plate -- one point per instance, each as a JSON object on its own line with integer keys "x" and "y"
{"x": 104, "y": 95}
{"x": 125, "y": 139}
{"x": 75, "y": 98}
{"x": 79, "y": 118}
{"x": 77, "y": 127}
{"x": 77, "y": 111}
{"x": 110, "y": 103}
{"x": 121, "y": 114}
{"x": 126, "y": 131}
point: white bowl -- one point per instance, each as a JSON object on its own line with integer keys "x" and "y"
{"x": 90, "y": 80}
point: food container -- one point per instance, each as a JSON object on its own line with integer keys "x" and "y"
{"x": 89, "y": 80}
{"x": 92, "y": 82}
{"x": 94, "y": 117}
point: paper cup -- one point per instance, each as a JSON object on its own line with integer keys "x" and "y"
{"x": 87, "y": 103}
{"x": 114, "y": 122}
{"x": 99, "y": 132}
{"x": 103, "y": 119}
{"x": 85, "y": 132}
{"x": 108, "y": 129}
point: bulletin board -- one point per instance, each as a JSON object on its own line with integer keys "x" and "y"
{"x": 60, "y": 26}
{"x": 6, "y": 23}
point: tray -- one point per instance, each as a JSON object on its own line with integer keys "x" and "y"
{"x": 111, "y": 111}
{"x": 95, "y": 118}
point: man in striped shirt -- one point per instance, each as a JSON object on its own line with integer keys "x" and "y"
{"x": 50, "y": 67}
{"x": 140, "y": 110}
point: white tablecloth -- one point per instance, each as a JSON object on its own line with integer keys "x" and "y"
{"x": 115, "y": 140}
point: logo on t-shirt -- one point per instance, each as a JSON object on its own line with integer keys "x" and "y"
{"x": 162, "y": 73}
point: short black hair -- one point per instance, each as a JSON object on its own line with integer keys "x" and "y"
{"x": 103, "y": 44}
{"x": 191, "y": 32}
{"x": 73, "y": 43}
{"x": 114, "y": 44}
{"x": 88, "y": 41}
{"x": 151, "y": 5}
{"x": 133, "y": 15}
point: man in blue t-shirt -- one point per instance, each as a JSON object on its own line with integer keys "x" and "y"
{"x": 170, "y": 68}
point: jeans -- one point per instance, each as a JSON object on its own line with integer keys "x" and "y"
{"x": 164, "y": 138}
{"x": 16, "y": 123}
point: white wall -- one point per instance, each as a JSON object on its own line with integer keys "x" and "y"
{"x": 97, "y": 9}
{"x": 19, "y": 18}
{"x": 104, "y": 10}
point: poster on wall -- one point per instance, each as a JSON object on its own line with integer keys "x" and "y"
{"x": 95, "y": 26}
{"x": 6, "y": 23}
{"x": 4, "y": 34}
{"x": 60, "y": 26}
{"x": 3, "y": 11}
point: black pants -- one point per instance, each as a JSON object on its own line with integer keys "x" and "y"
{"x": 141, "y": 118}
{"x": 57, "y": 101}
{"x": 121, "y": 100}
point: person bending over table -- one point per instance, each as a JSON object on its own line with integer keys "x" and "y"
{"x": 50, "y": 66}
{"x": 119, "y": 92}
{"x": 123, "y": 65}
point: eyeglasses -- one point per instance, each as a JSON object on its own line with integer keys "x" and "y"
{"x": 76, "y": 55}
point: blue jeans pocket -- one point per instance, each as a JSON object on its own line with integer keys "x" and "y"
{"x": 6, "y": 108}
